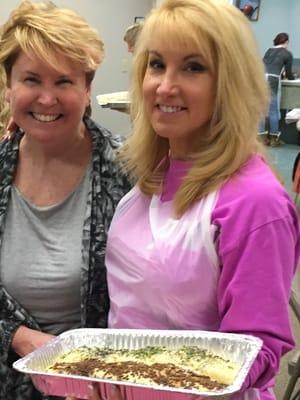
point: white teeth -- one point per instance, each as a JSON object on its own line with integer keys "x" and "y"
{"x": 169, "y": 109}
{"x": 45, "y": 117}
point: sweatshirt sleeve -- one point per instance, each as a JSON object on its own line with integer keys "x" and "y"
{"x": 288, "y": 66}
{"x": 254, "y": 290}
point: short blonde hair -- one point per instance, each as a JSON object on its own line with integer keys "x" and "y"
{"x": 132, "y": 33}
{"x": 4, "y": 107}
{"x": 48, "y": 32}
{"x": 224, "y": 38}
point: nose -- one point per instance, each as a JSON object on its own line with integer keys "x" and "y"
{"x": 168, "y": 84}
{"x": 47, "y": 97}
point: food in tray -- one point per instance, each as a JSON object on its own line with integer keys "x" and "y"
{"x": 187, "y": 367}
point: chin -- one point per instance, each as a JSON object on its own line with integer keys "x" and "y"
{"x": 163, "y": 131}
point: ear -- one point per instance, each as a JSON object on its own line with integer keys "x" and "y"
{"x": 7, "y": 95}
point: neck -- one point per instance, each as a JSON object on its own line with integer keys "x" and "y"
{"x": 69, "y": 149}
{"x": 179, "y": 150}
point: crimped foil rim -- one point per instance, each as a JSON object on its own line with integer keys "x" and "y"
{"x": 240, "y": 348}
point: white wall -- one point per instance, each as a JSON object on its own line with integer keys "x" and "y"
{"x": 278, "y": 16}
{"x": 111, "y": 18}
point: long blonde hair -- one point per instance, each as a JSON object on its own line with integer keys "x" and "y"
{"x": 224, "y": 37}
{"x": 47, "y": 32}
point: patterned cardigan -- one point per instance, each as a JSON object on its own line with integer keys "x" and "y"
{"x": 107, "y": 187}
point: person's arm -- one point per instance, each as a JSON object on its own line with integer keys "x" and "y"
{"x": 15, "y": 337}
{"x": 254, "y": 294}
{"x": 26, "y": 340}
{"x": 288, "y": 67}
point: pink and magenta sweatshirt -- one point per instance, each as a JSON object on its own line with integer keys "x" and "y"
{"x": 226, "y": 265}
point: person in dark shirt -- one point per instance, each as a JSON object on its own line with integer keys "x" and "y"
{"x": 278, "y": 61}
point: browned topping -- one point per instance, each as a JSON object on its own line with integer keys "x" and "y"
{"x": 166, "y": 374}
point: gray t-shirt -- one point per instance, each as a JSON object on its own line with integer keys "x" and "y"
{"x": 41, "y": 259}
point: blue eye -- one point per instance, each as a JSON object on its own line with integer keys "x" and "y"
{"x": 156, "y": 64}
{"x": 64, "y": 81}
{"x": 31, "y": 79}
{"x": 195, "y": 67}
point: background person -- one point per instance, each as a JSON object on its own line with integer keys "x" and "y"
{"x": 278, "y": 61}
{"x": 208, "y": 238}
{"x": 130, "y": 38}
{"x": 59, "y": 185}
{"x": 131, "y": 35}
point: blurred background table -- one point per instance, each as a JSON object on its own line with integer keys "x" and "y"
{"x": 118, "y": 101}
{"x": 290, "y": 94}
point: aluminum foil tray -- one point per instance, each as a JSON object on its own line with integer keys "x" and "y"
{"x": 238, "y": 348}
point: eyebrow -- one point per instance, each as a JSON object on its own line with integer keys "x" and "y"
{"x": 189, "y": 56}
{"x": 31, "y": 73}
{"x": 63, "y": 76}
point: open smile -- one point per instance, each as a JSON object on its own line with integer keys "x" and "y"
{"x": 45, "y": 117}
{"x": 170, "y": 109}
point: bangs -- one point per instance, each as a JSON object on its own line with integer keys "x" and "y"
{"x": 35, "y": 45}
{"x": 32, "y": 44}
{"x": 175, "y": 32}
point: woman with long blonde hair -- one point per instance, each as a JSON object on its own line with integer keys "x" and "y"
{"x": 208, "y": 239}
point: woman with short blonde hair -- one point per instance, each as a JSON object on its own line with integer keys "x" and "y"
{"x": 59, "y": 186}
{"x": 44, "y": 31}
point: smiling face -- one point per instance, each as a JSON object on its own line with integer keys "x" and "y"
{"x": 179, "y": 94}
{"x": 48, "y": 104}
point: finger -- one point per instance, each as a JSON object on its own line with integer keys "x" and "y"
{"x": 93, "y": 393}
{"x": 11, "y": 126}
{"x": 6, "y": 135}
{"x": 115, "y": 393}
{"x": 11, "y": 129}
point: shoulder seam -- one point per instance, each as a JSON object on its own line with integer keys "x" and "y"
{"x": 236, "y": 245}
